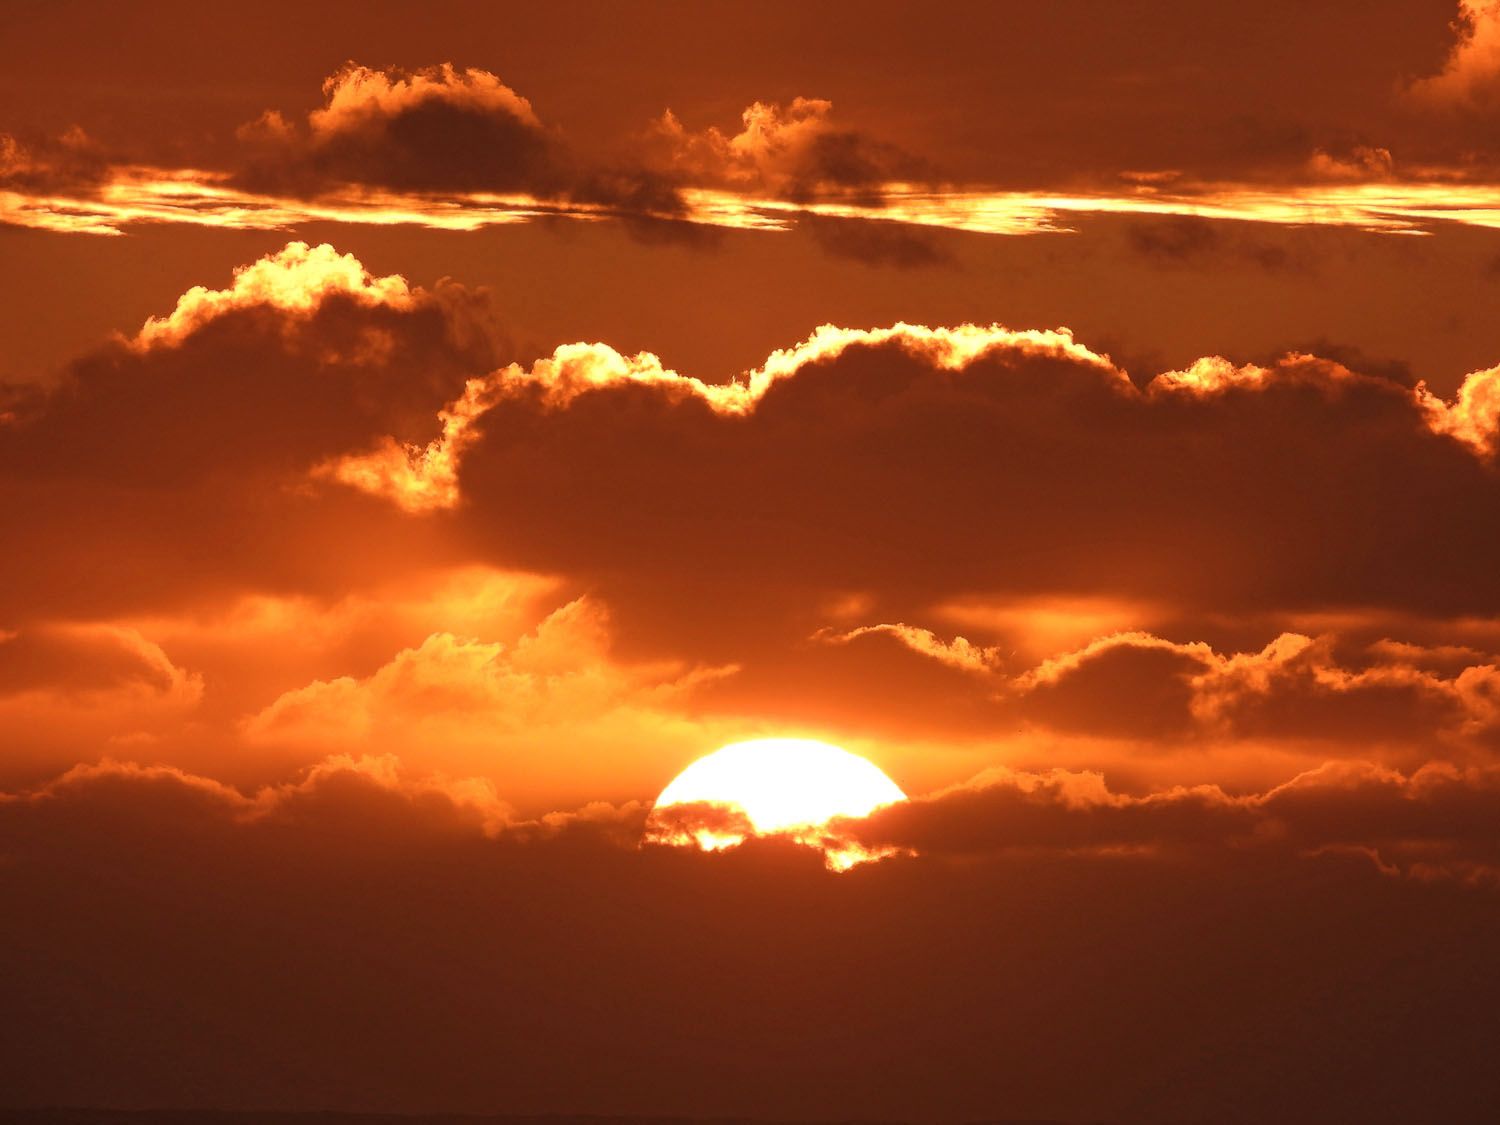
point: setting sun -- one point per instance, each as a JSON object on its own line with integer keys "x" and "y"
{"x": 775, "y": 786}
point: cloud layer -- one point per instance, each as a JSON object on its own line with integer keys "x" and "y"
{"x": 488, "y": 963}
{"x": 904, "y": 535}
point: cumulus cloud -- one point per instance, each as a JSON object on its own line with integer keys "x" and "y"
{"x": 421, "y": 478}
{"x": 1153, "y": 692}
{"x": 437, "y": 129}
{"x": 295, "y": 280}
{"x": 310, "y": 429}
{"x": 71, "y": 161}
{"x": 793, "y": 151}
{"x": 1473, "y": 416}
{"x": 968, "y": 462}
{"x": 1358, "y": 164}
{"x": 480, "y": 961}
{"x": 1434, "y": 823}
{"x": 203, "y": 425}
{"x": 1135, "y": 683}
{"x": 538, "y": 712}
{"x": 1470, "y": 77}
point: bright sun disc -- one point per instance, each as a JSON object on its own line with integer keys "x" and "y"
{"x": 789, "y": 786}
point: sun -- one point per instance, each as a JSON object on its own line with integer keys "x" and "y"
{"x": 774, "y": 786}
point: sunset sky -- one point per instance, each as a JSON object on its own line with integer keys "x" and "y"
{"x": 425, "y": 431}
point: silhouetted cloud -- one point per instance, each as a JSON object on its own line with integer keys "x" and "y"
{"x": 264, "y": 948}
{"x": 438, "y": 129}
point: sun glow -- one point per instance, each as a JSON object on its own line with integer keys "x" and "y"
{"x": 790, "y": 787}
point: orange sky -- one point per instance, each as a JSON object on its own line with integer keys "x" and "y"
{"x": 421, "y": 438}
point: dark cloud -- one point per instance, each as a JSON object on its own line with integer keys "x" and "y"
{"x": 71, "y": 162}
{"x": 1140, "y": 690}
{"x": 351, "y": 943}
{"x": 180, "y": 454}
{"x": 209, "y": 454}
{"x": 875, "y": 242}
{"x": 437, "y": 129}
{"x": 1137, "y": 685}
{"x": 1436, "y": 823}
{"x": 1035, "y": 467}
{"x": 1187, "y": 241}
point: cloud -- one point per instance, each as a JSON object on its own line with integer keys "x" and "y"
{"x": 1473, "y": 416}
{"x": 181, "y": 452}
{"x": 87, "y": 659}
{"x": 311, "y": 431}
{"x": 1142, "y": 687}
{"x": 1359, "y": 164}
{"x": 429, "y": 129}
{"x": 1434, "y": 823}
{"x": 936, "y": 463}
{"x": 875, "y": 242}
{"x": 540, "y": 712}
{"x": 1136, "y": 684}
{"x": 437, "y": 129}
{"x": 296, "y": 280}
{"x": 1057, "y": 945}
{"x": 959, "y": 653}
{"x": 305, "y": 349}
{"x": 1194, "y": 241}
{"x": 1470, "y": 77}
{"x": 791, "y": 151}
{"x": 71, "y": 161}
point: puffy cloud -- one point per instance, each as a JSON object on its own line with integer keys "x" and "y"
{"x": 538, "y": 712}
{"x": 1136, "y": 685}
{"x": 71, "y": 161}
{"x": 437, "y": 129}
{"x": 433, "y": 128}
{"x": 426, "y": 951}
{"x": 1474, "y": 415}
{"x": 1017, "y": 486}
{"x": 1436, "y": 822}
{"x": 305, "y": 350}
{"x": 1470, "y": 77}
{"x": 422, "y": 478}
{"x": 182, "y": 452}
{"x": 1131, "y": 685}
{"x": 1361, "y": 163}
{"x": 934, "y": 464}
{"x": 793, "y": 151}
{"x": 295, "y": 280}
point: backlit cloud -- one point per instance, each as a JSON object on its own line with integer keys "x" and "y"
{"x": 437, "y": 129}
{"x": 853, "y": 435}
{"x": 544, "y": 709}
{"x": 1026, "y": 543}
{"x": 296, "y": 279}
{"x": 1470, "y": 77}
{"x": 791, "y": 151}
{"x": 1432, "y": 823}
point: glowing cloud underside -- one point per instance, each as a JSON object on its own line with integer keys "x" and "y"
{"x": 141, "y": 195}
{"x": 774, "y": 786}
